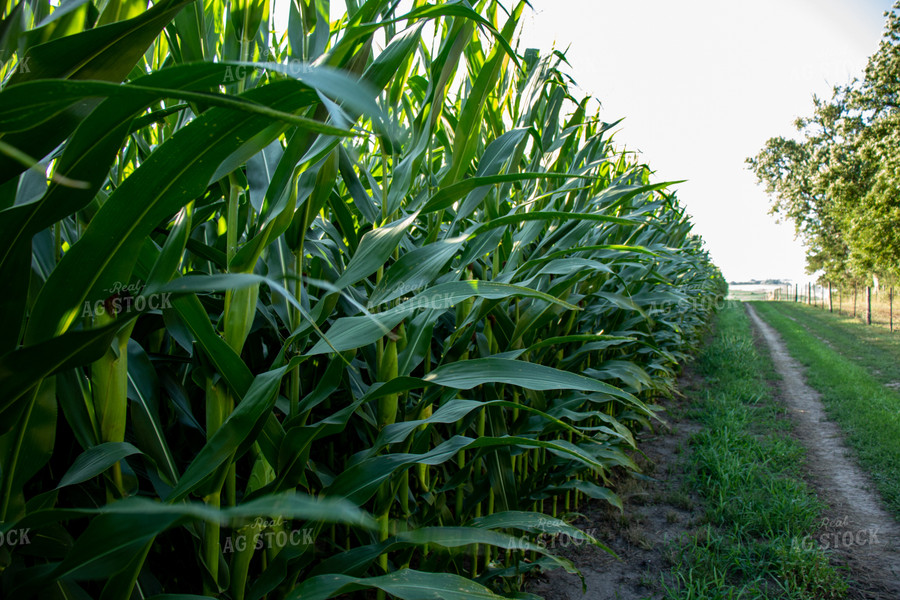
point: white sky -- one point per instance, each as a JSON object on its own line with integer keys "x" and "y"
{"x": 702, "y": 84}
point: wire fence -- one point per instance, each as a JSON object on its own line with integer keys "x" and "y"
{"x": 870, "y": 305}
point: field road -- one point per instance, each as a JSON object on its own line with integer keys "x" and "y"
{"x": 857, "y": 527}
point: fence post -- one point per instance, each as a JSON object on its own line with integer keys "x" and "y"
{"x": 854, "y": 301}
{"x": 830, "y": 301}
{"x": 795, "y": 291}
{"x": 868, "y": 305}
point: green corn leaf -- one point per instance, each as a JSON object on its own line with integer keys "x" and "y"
{"x": 105, "y": 53}
{"x": 96, "y": 460}
{"x": 445, "y": 198}
{"x": 415, "y": 270}
{"x": 468, "y": 374}
{"x": 57, "y": 96}
{"x": 360, "y": 481}
{"x": 234, "y": 436}
{"x": 353, "y": 332}
{"x": 143, "y": 390}
{"x": 358, "y": 559}
{"x": 406, "y": 584}
{"x": 27, "y": 447}
{"x": 24, "y": 368}
{"x": 374, "y": 249}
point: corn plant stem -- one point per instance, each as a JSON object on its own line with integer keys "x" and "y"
{"x": 222, "y": 397}
{"x": 211, "y": 544}
{"x": 117, "y": 480}
{"x": 515, "y": 411}
{"x": 245, "y": 44}
{"x": 216, "y": 413}
{"x": 490, "y": 511}
{"x": 384, "y": 188}
{"x": 404, "y": 493}
{"x": 387, "y": 412}
{"x": 109, "y": 376}
{"x": 295, "y": 372}
{"x": 305, "y": 36}
{"x": 298, "y": 291}
{"x": 230, "y": 486}
{"x": 461, "y": 463}
{"x": 479, "y": 430}
{"x": 568, "y": 499}
{"x": 240, "y": 565}
{"x": 426, "y": 412}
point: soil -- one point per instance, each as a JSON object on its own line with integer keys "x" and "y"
{"x": 856, "y": 528}
{"x": 861, "y": 537}
{"x": 658, "y": 513}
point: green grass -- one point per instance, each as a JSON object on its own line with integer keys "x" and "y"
{"x": 850, "y": 372}
{"x": 746, "y": 467}
{"x": 873, "y": 348}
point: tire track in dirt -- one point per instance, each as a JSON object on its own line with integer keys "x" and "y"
{"x": 858, "y": 528}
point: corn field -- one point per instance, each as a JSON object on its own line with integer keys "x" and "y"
{"x": 365, "y": 308}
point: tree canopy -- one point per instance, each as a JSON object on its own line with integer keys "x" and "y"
{"x": 839, "y": 180}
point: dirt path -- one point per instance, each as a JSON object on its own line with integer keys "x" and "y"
{"x": 865, "y": 536}
{"x": 658, "y": 512}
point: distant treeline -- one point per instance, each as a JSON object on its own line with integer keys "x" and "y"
{"x": 761, "y": 282}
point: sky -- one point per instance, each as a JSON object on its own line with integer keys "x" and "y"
{"x": 702, "y": 84}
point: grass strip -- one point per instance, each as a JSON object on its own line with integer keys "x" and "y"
{"x": 869, "y": 346}
{"x": 849, "y": 372}
{"x": 747, "y": 468}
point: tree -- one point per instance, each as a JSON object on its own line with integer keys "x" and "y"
{"x": 838, "y": 183}
{"x": 811, "y": 180}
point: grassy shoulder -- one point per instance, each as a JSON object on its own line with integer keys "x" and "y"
{"x": 850, "y": 372}
{"x": 746, "y": 467}
{"x": 869, "y": 346}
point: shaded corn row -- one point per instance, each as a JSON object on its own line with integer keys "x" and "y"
{"x": 340, "y": 319}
